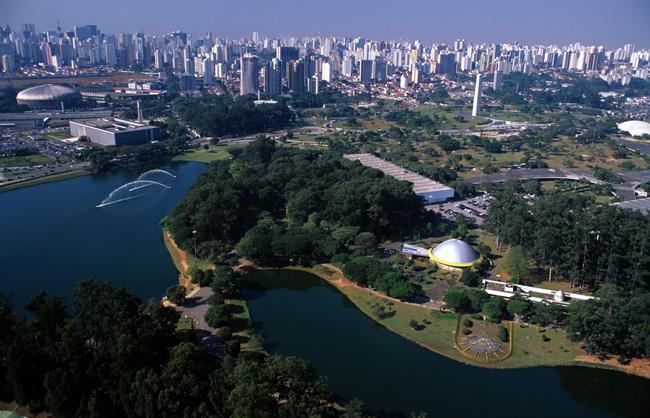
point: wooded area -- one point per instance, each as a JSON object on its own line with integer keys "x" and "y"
{"x": 115, "y": 357}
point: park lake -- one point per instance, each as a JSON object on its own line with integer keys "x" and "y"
{"x": 53, "y": 235}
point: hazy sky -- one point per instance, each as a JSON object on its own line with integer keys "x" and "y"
{"x": 600, "y": 22}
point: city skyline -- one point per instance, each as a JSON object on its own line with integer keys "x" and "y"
{"x": 477, "y": 21}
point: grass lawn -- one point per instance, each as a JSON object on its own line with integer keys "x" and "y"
{"x": 57, "y": 135}
{"x": 214, "y": 153}
{"x": 240, "y": 325}
{"x": 44, "y": 179}
{"x": 528, "y": 349}
{"x": 26, "y": 160}
{"x": 185, "y": 324}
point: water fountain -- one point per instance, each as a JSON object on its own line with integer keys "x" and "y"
{"x": 143, "y": 186}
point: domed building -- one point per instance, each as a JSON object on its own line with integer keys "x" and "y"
{"x": 635, "y": 127}
{"x": 48, "y": 96}
{"x": 454, "y": 254}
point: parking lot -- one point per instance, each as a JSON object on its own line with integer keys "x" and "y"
{"x": 475, "y": 208}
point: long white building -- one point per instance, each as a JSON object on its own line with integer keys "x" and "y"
{"x": 430, "y": 190}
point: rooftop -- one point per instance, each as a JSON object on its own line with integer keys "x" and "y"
{"x": 114, "y": 125}
{"x": 420, "y": 183}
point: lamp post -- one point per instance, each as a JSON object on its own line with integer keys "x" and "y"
{"x": 194, "y": 233}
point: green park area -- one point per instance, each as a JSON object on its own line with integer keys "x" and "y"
{"x": 25, "y": 160}
{"x": 436, "y": 330}
{"x": 44, "y": 179}
{"x": 205, "y": 155}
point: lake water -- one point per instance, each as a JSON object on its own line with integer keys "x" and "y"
{"x": 53, "y": 235}
{"x": 299, "y": 314}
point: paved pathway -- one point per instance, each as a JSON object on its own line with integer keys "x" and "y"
{"x": 195, "y": 307}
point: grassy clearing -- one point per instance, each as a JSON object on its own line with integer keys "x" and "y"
{"x": 44, "y": 179}
{"x": 185, "y": 324}
{"x": 213, "y": 153}
{"x": 437, "y": 330}
{"x": 27, "y": 160}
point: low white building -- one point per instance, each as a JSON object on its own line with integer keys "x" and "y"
{"x": 430, "y": 190}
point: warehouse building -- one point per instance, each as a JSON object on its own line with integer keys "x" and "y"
{"x": 115, "y": 132}
{"x": 430, "y": 190}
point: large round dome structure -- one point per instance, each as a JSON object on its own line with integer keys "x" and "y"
{"x": 635, "y": 127}
{"x": 454, "y": 253}
{"x": 47, "y": 96}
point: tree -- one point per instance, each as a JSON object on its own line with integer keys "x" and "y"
{"x": 469, "y": 277}
{"x": 218, "y": 315}
{"x": 457, "y": 299}
{"x": 502, "y": 333}
{"x": 176, "y": 294}
{"x": 495, "y": 309}
{"x": 366, "y": 243}
{"x": 519, "y": 306}
{"x": 518, "y": 264}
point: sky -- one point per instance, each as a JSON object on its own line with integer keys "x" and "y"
{"x": 611, "y": 23}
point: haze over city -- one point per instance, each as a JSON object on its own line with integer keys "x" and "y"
{"x": 592, "y": 22}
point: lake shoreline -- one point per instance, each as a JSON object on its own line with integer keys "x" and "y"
{"x": 43, "y": 180}
{"x": 583, "y": 360}
{"x": 334, "y": 276}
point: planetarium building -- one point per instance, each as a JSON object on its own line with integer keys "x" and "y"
{"x": 48, "y": 96}
{"x": 454, "y": 254}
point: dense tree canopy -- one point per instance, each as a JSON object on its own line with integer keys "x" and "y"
{"x": 294, "y": 205}
{"x": 596, "y": 246}
{"x": 224, "y": 115}
{"x": 117, "y": 358}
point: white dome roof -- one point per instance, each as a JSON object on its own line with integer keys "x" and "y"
{"x": 46, "y": 92}
{"x": 455, "y": 253}
{"x": 635, "y": 127}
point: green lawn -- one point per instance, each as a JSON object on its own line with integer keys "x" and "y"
{"x": 214, "y": 153}
{"x": 438, "y": 333}
{"x": 44, "y": 179}
{"x": 185, "y": 324}
{"x": 26, "y": 160}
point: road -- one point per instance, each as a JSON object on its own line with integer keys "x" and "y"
{"x": 196, "y": 307}
{"x": 624, "y": 190}
{"x": 642, "y": 147}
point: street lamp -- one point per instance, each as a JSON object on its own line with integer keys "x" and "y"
{"x": 194, "y": 233}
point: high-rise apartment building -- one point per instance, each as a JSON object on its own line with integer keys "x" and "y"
{"x": 249, "y": 76}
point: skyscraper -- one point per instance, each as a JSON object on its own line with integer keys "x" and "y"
{"x": 208, "y": 72}
{"x": 476, "y": 109}
{"x": 249, "y": 77}
{"x": 273, "y": 78}
{"x": 365, "y": 71}
{"x": 498, "y": 80}
{"x": 296, "y": 79}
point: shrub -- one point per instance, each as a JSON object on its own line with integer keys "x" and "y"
{"x": 233, "y": 347}
{"x": 224, "y": 334}
{"x": 467, "y": 331}
{"x": 467, "y": 323}
{"x": 502, "y": 333}
{"x": 469, "y": 278}
{"x": 176, "y": 294}
{"x": 545, "y": 338}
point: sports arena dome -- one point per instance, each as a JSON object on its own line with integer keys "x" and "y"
{"x": 454, "y": 253}
{"x": 635, "y": 127}
{"x": 47, "y": 96}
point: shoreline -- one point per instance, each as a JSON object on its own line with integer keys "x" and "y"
{"x": 638, "y": 367}
{"x": 334, "y": 276}
{"x": 44, "y": 179}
